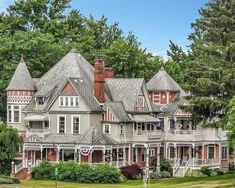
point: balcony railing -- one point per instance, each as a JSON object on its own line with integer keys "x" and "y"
{"x": 39, "y": 132}
{"x": 147, "y": 132}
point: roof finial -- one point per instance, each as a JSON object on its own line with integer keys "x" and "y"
{"x": 73, "y": 50}
{"x": 22, "y": 58}
{"x": 162, "y": 69}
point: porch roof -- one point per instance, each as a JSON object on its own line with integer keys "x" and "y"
{"x": 144, "y": 118}
{"x": 36, "y": 118}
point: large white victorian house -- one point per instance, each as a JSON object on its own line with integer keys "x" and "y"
{"x": 83, "y": 113}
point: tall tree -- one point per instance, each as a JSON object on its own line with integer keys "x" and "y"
{"x": 40, "y": 52}
{"x": 10, "y": 142}
{"x": 231, "y": 122}
{"x": 210, "y": 73}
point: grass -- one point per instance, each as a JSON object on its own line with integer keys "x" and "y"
{"x": 207, "y": 182}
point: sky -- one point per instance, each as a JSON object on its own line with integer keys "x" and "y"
{"x": 154, "y": 22}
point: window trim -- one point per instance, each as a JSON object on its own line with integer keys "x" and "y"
{"x": 79, "y": 130}
{"x": 58, "y": 124}
{"x": 121, "y": 131}
{"x": 225, "y": 154}
{"x": 64, "y": 103}
{"x": 214, "y": 149}
{"x": 152, "y": 152}
{"x": 109, "y": 128}
{"x": 12, "y": 110}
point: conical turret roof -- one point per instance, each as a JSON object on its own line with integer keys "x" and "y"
{"x": 21, "y": 79}
{"x": 162, "y": 81}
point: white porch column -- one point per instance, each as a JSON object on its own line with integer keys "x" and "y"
{"x": 193, "y": 152}
{"x": 158, "y": 158}
{"x": 41, "y": 150}
{"x": 111, "y": 156}
{"x": 147, "y": 161}
{"x": 202, "y": 151}
{"x": 129, "y": 153}
{"x": 117, "y": 156}
{"x": 124, "y": 155}
{"x": 103, "y": 155}
{"x": 175, "y": 153}
{"x": 79, "y": 155}
{"x": 220, "y": 153}
{"x": 166, "y": 151}
{"x": 90, "y": 157}
{"x": 58, "y": 155}
{"x": 75, "y": 155}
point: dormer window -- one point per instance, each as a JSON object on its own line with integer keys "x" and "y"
{"x": 40, "y": 100}
{"x": 69, "y": 101}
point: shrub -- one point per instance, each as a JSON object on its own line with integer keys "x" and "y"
{"x": 165, "y": 165}
{"x": 67, "y": 171}
{"x": 131, "y": 171}
{"x": 231, "y": 166}
{"x": 194, "y": 174}
{"x": 45, "y": 170}
{"x": 165, "y": 174}
{"x": 85, "y": 173}
{"x": 206, "y": 171}
{"x": 155, "y": 175}
{"x": 218, "y": 172}
{"x": 104, "y": 173}
{"x": 7, "y": 180}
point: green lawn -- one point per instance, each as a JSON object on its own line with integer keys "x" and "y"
{"x": 207, "y": 182}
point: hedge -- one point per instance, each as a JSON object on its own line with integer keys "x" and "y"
{"x": 74, "y": 172}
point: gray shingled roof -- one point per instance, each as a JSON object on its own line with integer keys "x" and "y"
{"x": 73, "y": 65}
{"x": 125, "y": 90}
{"x": 21, "y": 79}
{"x": 94, "y": 136}
{"x": 118, "y": 110}
{"x": 162, "y": 81}
{"x": 173, "y": 106}
{"x": 61, "y": 138}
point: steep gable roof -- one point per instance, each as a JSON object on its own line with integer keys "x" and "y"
{"x": 162, "y": 81}
{"x": 118, "y": 110}
{"x": 125, "y": 90}
{"x": 73, "y": 66}
{"x": 21, "y": 79}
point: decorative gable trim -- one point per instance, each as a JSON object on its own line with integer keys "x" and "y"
{"x": 68, "y": 88}
{"x": 108, "y": 115}
{"x": 33, "y": 138}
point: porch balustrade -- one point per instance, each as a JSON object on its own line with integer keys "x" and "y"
{"x": 39, "y": 132}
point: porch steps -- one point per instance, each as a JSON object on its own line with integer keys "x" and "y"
{"x": 22, "y": 174}
{"x": 180, "y": 172}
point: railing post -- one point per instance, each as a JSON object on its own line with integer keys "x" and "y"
{"x": 13, "y": 167}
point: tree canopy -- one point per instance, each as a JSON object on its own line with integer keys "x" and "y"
{"x": 210, "y": 70}
{"x": 44, "y": 31}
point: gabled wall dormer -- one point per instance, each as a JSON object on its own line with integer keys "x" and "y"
{"x": 142, "y": 103}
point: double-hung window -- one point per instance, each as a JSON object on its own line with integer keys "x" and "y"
{"x": 211, "y": 152}
{"x": 224, "y": 154}
{"x": 61, "y": 124}
{"x": 13, "y": 114}
{"x": 69, "y": 101}
{"x": 107, "y": 129}
{"x": 76, "y": 124}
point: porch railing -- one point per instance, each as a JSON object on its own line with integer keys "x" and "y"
{"x": 186, "y": 167}
{"x": 147, "y": 132}
{"x": 205, "y": 162}
{"x": 176, "y": 166}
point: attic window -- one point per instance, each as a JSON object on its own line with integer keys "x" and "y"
{"x": 69, "y": 101}
{"x": 40, "y": 100}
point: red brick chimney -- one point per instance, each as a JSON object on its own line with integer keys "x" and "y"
{"x": 100, "y": 74}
